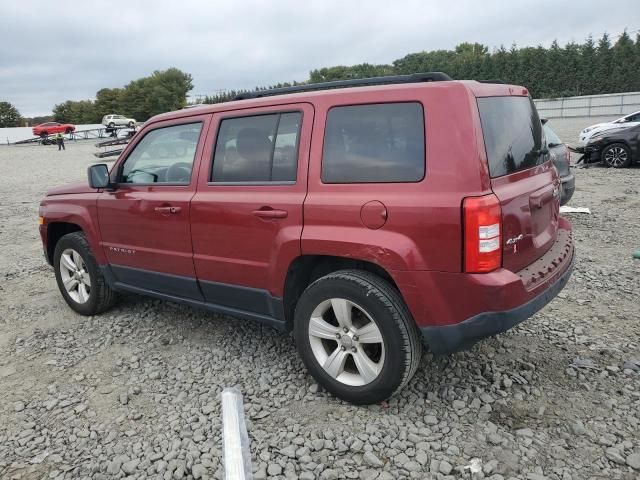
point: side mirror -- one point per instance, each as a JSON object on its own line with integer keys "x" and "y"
{"x": 98, "y": 176}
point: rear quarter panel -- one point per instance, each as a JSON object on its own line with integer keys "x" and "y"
{"x": 423, "y": 228}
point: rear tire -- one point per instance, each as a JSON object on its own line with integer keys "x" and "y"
{"x": 617, "y": 155}
{"x": 356, "y": 336}
{"x": 112, "y": 125}
{"x": 68, "y": 131}
{"x": 130, "y": 124}
{"x": 79, "y": 278}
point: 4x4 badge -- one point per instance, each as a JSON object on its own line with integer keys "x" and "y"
{"x": 513, "y": 241}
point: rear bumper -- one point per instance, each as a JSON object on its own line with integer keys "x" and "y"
{"x": 454, "y": 310}
{"x": 451, "y": 338}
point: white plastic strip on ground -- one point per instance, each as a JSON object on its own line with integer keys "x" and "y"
{"x": 567, "y": 209}
{"x": 235, "y": 441}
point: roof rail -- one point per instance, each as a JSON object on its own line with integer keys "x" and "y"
{"x": 494, "y": 80}
{"x": 356, "y": 82}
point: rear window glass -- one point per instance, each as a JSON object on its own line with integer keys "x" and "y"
{"x": 377, "y": 143}
{"x": 512, "y": 134}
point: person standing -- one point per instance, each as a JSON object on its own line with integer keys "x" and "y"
{"x": 60, "y": 141}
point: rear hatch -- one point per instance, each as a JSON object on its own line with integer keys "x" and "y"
{"x": 522, "y": 177}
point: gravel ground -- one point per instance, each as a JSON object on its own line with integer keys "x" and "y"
{"x": 135, "y": 392}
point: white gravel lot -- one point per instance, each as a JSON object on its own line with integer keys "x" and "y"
{"x": 135, "y": 392}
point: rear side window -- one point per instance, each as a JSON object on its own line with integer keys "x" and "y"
{"x": 377, "y": 143}
{"x": 512, "y": 134}
{"x": 260, "y": 148}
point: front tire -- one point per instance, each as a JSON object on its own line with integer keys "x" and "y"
{"x": 79, "y": 279}
{"x": 112, "y": 125}
{"x": 617, "y": 155}
{"x": 356, "y": 336}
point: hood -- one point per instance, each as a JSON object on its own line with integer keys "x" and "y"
{"x": 70, "y": 188}
{"x": 594, "y": 126}
{"x": 610, "y": 132}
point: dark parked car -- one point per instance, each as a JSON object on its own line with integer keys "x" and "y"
{"x": 333, "y": 213}
{"x": 561, "y": 157}
{"x": 617, "y": 148}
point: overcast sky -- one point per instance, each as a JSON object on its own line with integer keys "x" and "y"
{"x": 54, "y": 51}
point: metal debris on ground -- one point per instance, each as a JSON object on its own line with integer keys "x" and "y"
{"x": 235, "y": 441}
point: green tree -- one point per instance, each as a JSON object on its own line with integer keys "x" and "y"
{"x": 78, "y": 112}
{"x": 624, "y": 70}
{"x": 161, "y": 92}
{"x": 108, "y": 101}
{"x": 9, "y": 115}
{"x": 603, "y": 68}
{"x": 587, "y": 67}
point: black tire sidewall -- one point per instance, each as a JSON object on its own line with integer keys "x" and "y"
{"x": 626, "y": 149}
{"x": 394, "y": 367}
{"x": 72, "y": 241}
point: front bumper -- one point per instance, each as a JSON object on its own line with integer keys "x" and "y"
{"x": 452, "y": 338}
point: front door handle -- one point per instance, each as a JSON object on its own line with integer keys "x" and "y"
{"x": 167, "y": 210}
{"x": 270, "y": 213}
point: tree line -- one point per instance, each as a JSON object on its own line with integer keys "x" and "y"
{"x": 162, "y": 91}
{"x": 141, "y": 99}
{"x": 588, "y": 68}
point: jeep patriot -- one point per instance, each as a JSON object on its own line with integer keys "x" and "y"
{"x": 369, "y": 217}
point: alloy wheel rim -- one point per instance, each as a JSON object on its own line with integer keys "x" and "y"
{"x": 616, "y": 156}
{"x": 75, "y": 276}
{"x": 346, "y": 342}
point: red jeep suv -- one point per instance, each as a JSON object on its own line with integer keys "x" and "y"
{"x": 370, "y": 217}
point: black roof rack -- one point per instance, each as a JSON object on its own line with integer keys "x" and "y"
{"x": 495, "y": 80}
{"x": 356, "y": 82}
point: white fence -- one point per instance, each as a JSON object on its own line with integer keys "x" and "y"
{"x": 613, "y": 104}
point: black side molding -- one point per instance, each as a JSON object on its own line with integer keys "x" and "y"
{"x": 233, "y": 300}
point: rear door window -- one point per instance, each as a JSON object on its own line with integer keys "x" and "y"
{"x": 257, "y": 149}
{"x": 376, "y": 143}
{"x": 512, "y": 134}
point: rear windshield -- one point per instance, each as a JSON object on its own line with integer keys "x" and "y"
{"x": 512, "y": 134}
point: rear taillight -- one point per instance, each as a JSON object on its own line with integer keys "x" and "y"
{"x": 482, "y": 234}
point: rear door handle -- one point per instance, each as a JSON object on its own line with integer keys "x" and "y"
{"x": 167, "y": 210}
{"x": 270, "y": 213}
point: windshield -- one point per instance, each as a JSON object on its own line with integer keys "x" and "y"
{"x": 552, "y": 138}
{"x": 512, "y": 134}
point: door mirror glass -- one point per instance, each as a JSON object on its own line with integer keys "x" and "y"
{"x": 98, "y": 176}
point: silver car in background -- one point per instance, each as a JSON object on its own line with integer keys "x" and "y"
{"x": 118, "y": 121}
